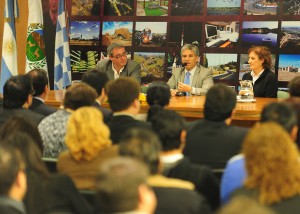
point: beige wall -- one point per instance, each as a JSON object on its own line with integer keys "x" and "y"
{"x": 21, "y": 30}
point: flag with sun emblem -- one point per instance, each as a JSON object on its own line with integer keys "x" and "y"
{"x": 35, "y": 47}
{"x": 9, "y": 66}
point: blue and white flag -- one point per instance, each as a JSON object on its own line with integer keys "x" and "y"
{"x": 35, "y": 45}
{"x": 62, "y": 67}
{"x": 9, "y": 65}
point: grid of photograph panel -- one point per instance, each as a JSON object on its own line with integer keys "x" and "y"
{"x": 153, "y": 32}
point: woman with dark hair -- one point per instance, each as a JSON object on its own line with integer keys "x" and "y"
{"x": 158, "y": 96}
{"x": 46, "y": 193}
{"x": 16, "y": 124}
{"x": 265, "y": 82}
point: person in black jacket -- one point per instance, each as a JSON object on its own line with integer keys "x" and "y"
{"x": 170, "y": 127}
{"x": 265, "y": 82}
{"x": 12, "y": 181}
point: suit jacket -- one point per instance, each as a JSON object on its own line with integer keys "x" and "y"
{"x": 202, "y": 79}
{"x": 26, "y": 114}
{"x": 118, "y": 125}
{"x": 11, "y": 206}
{"x": 213, "y": 143}
{"x": 39, "y": 107}
{"x": 131, "y": 69}
{"x": 201, "y": 176}
{"x": 179, "y": 201}
{"x": 107, "y": 113}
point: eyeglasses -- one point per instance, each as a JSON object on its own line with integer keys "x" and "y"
{"x": 124, "y": 54}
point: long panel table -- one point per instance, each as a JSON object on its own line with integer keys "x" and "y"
{"x": 191, "y": 108}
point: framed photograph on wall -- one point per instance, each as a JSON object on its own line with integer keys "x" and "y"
{"x": 152, "y": 8}
{"x": 118, "y": 8}
{"x": 84, "y": 32}
{"x": 260, "y": 33}
{"x": 86, "y": 7}
{"x": 288, "y": 67}
{"x": 224, "y": 66}
{"x": 152, "y": 64}
{"x": 290, "y": 35}
{"x": 224, "y": 7}
{"x": 117, "y": 32}
{"x": 150, "y": 34}
{"x": 254, "y": 7}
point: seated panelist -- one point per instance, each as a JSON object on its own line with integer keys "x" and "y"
{"x": 191, "y": 79}
{"x": 118, "y": 65}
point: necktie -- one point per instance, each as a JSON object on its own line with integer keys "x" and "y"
{"x": 187, "y": 80}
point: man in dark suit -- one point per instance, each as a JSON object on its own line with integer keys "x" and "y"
{"x": 212, "y": 141}
{"x": 13, "y": 183}
{"x": 98, "y": 80}
{"x": 39, "y": 79}
{"x": 17, "y": 97}
{"x": 170, "y": 127}
{"x": 123, "y": 96}
{"x": 173, "y": 195}
{"x": 191, "y": 78}
{"x": 118, "y": 65}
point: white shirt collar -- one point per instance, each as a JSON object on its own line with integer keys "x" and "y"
{"x": 171, "y": 158}
{"x": 255, "y": 77}
{"x": 116, "y": 74}
{"x": 191, "y": 71}
{"x": 38, "y": 98}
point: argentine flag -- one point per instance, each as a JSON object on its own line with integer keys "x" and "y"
{"x": 35, "y": 45}
{"x": 62, "y": 67}
{"x": 9, "y": 65}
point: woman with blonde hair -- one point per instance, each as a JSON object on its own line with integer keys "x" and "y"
{"x": 89, "y": 144}
{"x": 273, "y": 168}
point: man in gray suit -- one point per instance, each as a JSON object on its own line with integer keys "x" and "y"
{"x": 191, "y": 78}
{"x": 118, "y": 65}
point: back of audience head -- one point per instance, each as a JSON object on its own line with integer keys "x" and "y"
{"x": 245, "y": 205}
{"x": 158, "y": 96}
{"x": 31, "y": 154}
{"x": 170, "y": 127}
{"x": 86, "y": 134}
{"x": 123, "y": 93}
{"x": 219, "y": 103}
{"x": 121, "y": 186}
{"x": 270, "y": 153}
{"x": 294, "y": 87}
{"x": 17, "y": 124}
{"x": 95, "y": 79}
{"x": 17, "y": 92}
{"x": 39, "y": 79}
{"x": 283, "y": 114}
{"x": 12, "y": 173}
{"x": 143, "y": 145}
{"x": 79, "y": 95}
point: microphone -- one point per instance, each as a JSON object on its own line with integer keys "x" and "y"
{"x": 184, "y": 64}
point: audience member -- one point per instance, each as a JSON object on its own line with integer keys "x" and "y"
{"x": 212, "y": 140}
{"x": 265, "y": 82}
{"x": 170, "y": 127}
{"x": 158, "y": 96}
{"x": 273, "y": 168}
{"x": 235, "y": 172}
{"x": 88, "y": 142}
{"x": 245, "y": 205}
{"x": 17, "y": 124}
{"x": 123, "y": 98}
{"x": 17, "y": 97}
{"x": 45, "y": 193}
{"x": 40, "y": 81}
{"x": 191, "y": 78}
{"x": 294, "y": 87}
{"x": 53, "y": 127}
{"x": 118, "y": 65}
{"x": 173, "y": 195}
{"x": 122, "y": 187}
{"x": 98, "y": 80}
{"x": 13, "y": 181}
